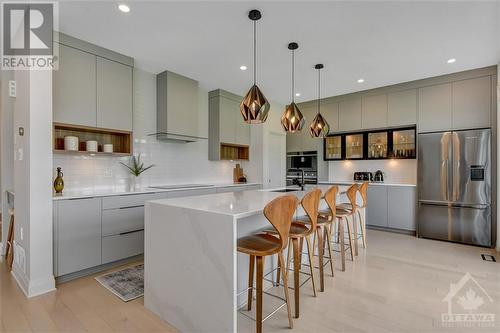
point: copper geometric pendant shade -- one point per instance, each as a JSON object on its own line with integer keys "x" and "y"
{"x": 319, "y": 127}
{"x": 292, "y": 119}
{"x": 254, "y": 107}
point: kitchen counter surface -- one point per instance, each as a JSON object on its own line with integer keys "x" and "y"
{"x": 344, "y": 182}
{"x": 107, "y": 192}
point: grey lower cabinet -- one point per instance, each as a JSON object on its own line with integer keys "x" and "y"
{"x": 376, "y": 209}
{"x": 77, "y": 235}
{"x": 392, "y": 207}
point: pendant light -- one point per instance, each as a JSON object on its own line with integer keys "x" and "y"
{"x": 254, "y": 107}
{"x": 292, "y": 119}
{"x": 319, "y": 126}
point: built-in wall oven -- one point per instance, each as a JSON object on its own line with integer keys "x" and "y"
{"x": 302, "y": 167}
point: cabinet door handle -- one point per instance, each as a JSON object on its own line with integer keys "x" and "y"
{"x": 130, "y": 232}
{"x": 127, "y": 207}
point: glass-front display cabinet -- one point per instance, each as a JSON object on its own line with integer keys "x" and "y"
{"x": 333, "y": 148}
{"x": 404, "y": 143}
{"x": 354, "y": 146}
{"x": 378, "y": 145}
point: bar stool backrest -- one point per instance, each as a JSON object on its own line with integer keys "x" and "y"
{"x": 279, "y": 212}
{"x": 310, "y": 203}
{"x": 363, "y": 188}
{"x": 331, "y": 199}
{"x": 351, "y": 195}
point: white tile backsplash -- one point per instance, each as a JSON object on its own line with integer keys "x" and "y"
{"x": 175, "y": 163}
{"x": 395, "y": 171}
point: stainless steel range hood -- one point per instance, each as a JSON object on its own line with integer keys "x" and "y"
{"x": 177, "y": 108}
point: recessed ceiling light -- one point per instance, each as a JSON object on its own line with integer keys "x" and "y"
{"x": 361, "y": 80}
{"x": 297, "y": 94}
{"x": 124, "y": 8}
{"x": 452, "y": 60}
{"x": 243, "y": 68}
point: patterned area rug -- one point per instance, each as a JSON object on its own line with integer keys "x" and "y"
{"x": 128, "y": 283}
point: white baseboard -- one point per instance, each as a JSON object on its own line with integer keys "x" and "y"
{"x": 35, "y": 287}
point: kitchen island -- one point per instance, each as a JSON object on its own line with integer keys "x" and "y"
{"x": 193, "y": 271}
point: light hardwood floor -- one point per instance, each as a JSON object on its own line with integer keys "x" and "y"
{"x": 396, "y": 285}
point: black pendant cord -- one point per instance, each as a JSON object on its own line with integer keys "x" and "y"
{"x": 293, "y": 76}
{"x": 319, "y": 90}
{"x": 254, "y": 52}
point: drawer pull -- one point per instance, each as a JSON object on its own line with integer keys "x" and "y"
{"x": 130, "y": 232}
{"x": 137, "y": 206}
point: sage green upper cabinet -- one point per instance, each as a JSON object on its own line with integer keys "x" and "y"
{"x": 331, "y": 113}
{"x": 226, "y": 124}
{"x": 350, "y": 115}
{"x": 435, "y": 108}
{"x": 74, "y": 88}
{"x": 374, "y": 111}
{"x": 402, "y": 108}
{"x": 472, "y": 103}
{"x": 114, "y": 95}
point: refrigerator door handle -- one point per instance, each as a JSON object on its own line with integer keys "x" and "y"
{"x": 455, "y": 205}
{"x": 445, "y": 179}
{"x": 455, "y": 167}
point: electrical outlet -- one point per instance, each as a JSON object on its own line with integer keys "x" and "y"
{"x": 20, "y": 257}
{"x": 12, "y": 88}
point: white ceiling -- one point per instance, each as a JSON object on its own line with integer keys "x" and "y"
{"x": 382, "y": 42}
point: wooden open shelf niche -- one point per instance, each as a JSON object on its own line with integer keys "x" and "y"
{"x": 121, "y": 140}
{"x": 234, "y": 152}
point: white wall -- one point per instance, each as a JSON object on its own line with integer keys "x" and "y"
{"x": 498, "y": 144}
{"x": 175, "y": 163}
{"x": 395, "y": 171}
{"x": 32, "y": 182}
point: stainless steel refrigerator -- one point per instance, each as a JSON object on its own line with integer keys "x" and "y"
{"x": 454, "y": 186}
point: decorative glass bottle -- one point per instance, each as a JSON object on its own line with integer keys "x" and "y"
{"x": 59, "y": 182}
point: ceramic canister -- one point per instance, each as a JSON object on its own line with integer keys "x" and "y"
{"x": 92, "y": 146}
{"x": 107, "y": 147}
{"x": 71, "y": 143}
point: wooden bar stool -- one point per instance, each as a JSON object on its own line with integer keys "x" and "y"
{"x": 279, "y": 212}
{"x": 298, "y": 232}
{"x": 361, "y": 211}
{"x": 9, "y": 254}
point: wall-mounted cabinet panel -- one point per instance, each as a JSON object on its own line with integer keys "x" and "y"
{"x": 472, "y": 103}
{"x": 374, "y": 111}
{"x": 226, "y": 126}
{"x": 435, "y": 108}
{"x": 74, "y": 87}
{"x": 350, "y": 115}
{"x": 331, "y": 113}
{"x": 402, "y": 108}
{"x": 309, "y": 143}
{"x": 114, "y": 95}
{"x": 293, "y": 142}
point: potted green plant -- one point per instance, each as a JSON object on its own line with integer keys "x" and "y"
{"x": 136, "y": 169}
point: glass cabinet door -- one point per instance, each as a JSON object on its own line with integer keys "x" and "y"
{"x": 354, "y": 146}
{"x": 377, "y": 145}
{"x": 403, "y": 143}
{"x": 333, "y": 147}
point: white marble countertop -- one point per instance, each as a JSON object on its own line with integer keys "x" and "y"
{"x": 236, "y": 204}
{"x": 345, "y": 182}
{"x": 108, "y": 192}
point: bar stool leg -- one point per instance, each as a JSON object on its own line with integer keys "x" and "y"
{"x": 363, "y": 227}
{"x": 342, "y": 241}
{"x": 329, "y": 246}
{"x": 250, "y": 282}
{"x": 301, "y": 247}
{"x": 259, "y": 282}
{"x": 285, "y": 286}
{"x": 321, "y": 247}
{"x": 349, "y": 233}
{"x": 355, "y": 233}
{"x": 311, "y": 262}
{"x": 296, "y": 270}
